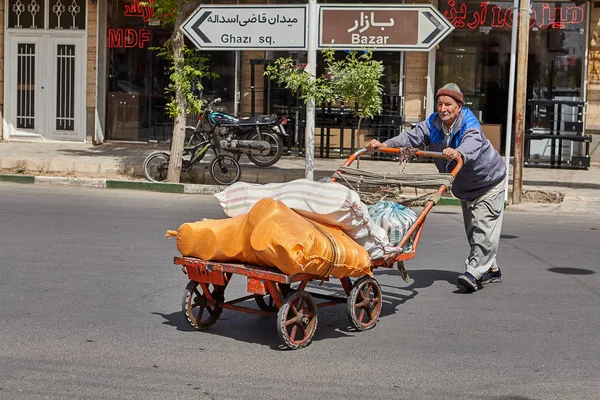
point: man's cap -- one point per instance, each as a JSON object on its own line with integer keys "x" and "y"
{"x": 451, "y": 90}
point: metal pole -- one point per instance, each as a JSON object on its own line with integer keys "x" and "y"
{"x": 430, "y": 92}
{"x": 309, "y": 134}
{"x": 521, "y": 100}
{"x": 236, "y": 85}
{"x": 511, "y": 92}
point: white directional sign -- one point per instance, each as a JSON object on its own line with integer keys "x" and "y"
{"x": 417, "y": 27}
{"x": 264, "y": 27}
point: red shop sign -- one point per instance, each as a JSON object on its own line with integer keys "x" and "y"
{"x": 127, "y": 37}
{"x": 543, "y": 15}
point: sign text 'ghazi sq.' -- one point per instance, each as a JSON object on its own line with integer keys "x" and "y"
{"x": 247, "y": 27}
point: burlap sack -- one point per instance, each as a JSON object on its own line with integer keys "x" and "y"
{"x": 272, "y": 235}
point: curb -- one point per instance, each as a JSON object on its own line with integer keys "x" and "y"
{"x": 572, "y": 185}
{"x": 17, "y": 178}
{"x": 181, "y": 188}
{"x": 448, "y": 201}
{"x": 184, "y": 188}
{"x": 151, "y": 186}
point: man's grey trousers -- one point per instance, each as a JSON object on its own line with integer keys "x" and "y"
{"x": 483, "y": 223}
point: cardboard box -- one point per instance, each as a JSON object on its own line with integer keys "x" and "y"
{"x": 494, "y": 133}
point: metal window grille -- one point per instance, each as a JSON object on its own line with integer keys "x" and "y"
{"x": 65, "y": 88}
{"x": 26, "y": 86}
{"x": 26, "y": 14}
{"x": 67, "y": 14}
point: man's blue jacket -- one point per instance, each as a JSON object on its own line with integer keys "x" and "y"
{"x": 483, "y": 166}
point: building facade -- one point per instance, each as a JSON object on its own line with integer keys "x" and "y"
{"x": 87, "y": 70}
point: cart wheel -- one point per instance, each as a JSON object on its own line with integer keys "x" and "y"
{"x": 364, "y": 303}
{"x": 199, "y": 311}
{"x": 266, "y": 302}
{"x": 297, "y": 320}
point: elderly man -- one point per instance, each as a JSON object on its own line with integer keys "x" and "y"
{"x": 456, "y": 132}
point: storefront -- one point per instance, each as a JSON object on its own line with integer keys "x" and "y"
{"x": 138, "y": 77}
{"x": 477, "y": 55}
{"x": 45, "y": 65}
{"x": 105, "y": 81}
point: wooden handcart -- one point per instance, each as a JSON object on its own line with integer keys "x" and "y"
{"x": 287, "y": 297}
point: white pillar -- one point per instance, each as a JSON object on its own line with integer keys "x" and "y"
{"x": 309, "y": 134}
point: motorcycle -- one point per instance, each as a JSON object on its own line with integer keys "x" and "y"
{"x": 260, "y": 137}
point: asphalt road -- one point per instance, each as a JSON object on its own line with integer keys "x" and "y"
{"x": 90, "y": 308}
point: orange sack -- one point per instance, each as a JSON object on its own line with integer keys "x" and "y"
{"x": 272, "y": 235}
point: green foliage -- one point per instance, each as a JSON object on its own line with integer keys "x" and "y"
{"x": 354, "y": 79}
{"x": 300, "y": 81}
{"x": 187, "y": 78}
{"x": 357, "y": 79}
{"x": 165, "y": 10}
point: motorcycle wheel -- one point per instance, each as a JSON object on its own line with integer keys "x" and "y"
{"x": 275, "y": 152}
{"x": 156, "y": 166}
{"x": 225, "y": 170}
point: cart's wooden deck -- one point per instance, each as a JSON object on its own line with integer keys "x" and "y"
{"x": 195, "y": 266}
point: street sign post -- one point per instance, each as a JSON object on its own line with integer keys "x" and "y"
{"x": 414, "y": 27}
{"x": 264, "y": 27}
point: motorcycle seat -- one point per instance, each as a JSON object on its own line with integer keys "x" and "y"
{"x": 259, "y": 120}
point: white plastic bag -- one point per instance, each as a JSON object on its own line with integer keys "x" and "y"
{"x": 395, "y": 219}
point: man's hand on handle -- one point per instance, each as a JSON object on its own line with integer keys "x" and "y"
{"x": 451, "y": 154}
{"x": 375, "y": 144}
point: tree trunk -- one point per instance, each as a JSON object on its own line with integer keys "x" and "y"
{"x": 358, "y": 140}
{"x": 177, "y": 43}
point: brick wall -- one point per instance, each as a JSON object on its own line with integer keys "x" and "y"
{"x": 593, "y": 95}
{"x": 245, "y": 80}
{"x": 415, "y": 86}
{"x": 245, "y": 90}
{"x": 90, "y": 84}
{"x": 415, "y": 81}
{"x": 92, "y": 29}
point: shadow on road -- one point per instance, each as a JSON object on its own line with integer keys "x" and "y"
{"x": 176, "y": 320}
{"x": 419, "y": 279}
{"x": 571, "y": 271}
{"x": 333, "y": 321}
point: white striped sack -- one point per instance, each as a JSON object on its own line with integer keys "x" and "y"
{"x": 326, "y": 202}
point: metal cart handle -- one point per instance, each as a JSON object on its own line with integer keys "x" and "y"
{"x": 418, "y": 153}
{"x": 416, "y": 228}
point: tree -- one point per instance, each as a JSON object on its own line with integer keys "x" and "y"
{"x": 187, "y": 69}
{"x": 355, "y": 80}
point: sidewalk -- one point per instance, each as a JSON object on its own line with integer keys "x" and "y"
{"x": 119, "y": 165}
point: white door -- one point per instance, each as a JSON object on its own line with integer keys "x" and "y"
{"x": 65, "y": 89}
{"x": 23, "y": 76}
{"x": 45, "y": 90}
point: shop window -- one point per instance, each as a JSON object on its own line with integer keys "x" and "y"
{"x": 138, "y": 77}
{"x": 483, "y": 31}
